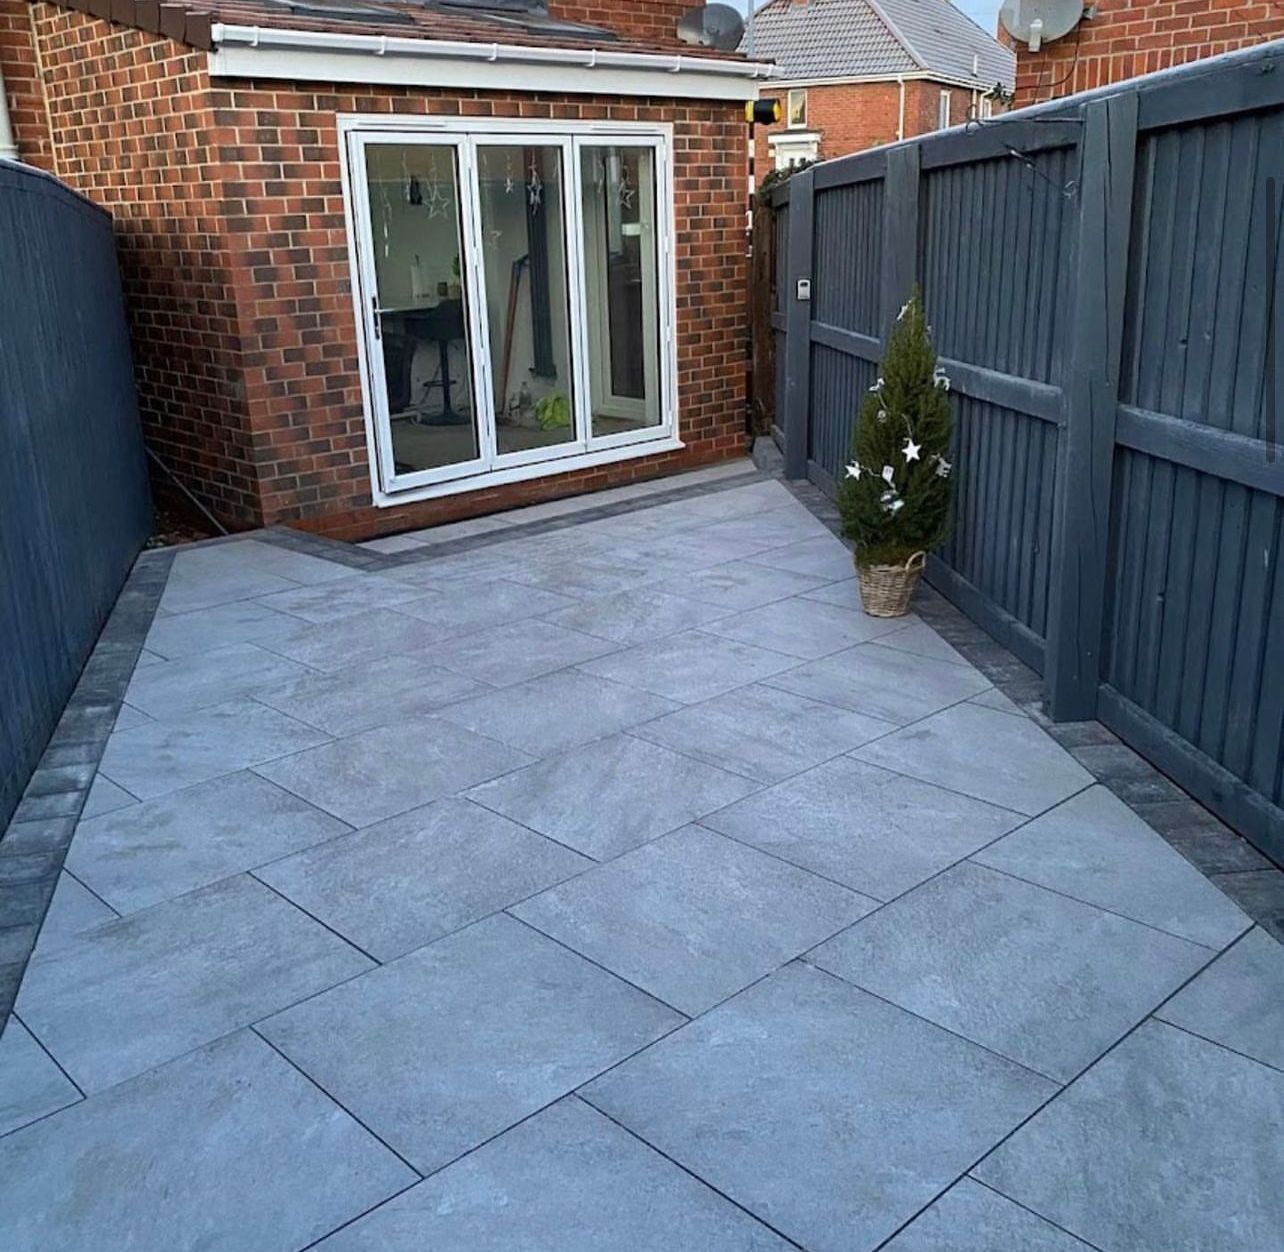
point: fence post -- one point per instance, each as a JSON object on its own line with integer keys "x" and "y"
{"x": 900, "y": 234}
{"x": 796, "y": 416}
{"x": 1086, "y": 445}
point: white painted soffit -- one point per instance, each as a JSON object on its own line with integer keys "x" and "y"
{"x": 333, "y": 56}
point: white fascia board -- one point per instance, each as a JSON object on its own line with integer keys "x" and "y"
{"x": 327, "y": 56}
{"x": 775, "y": 83}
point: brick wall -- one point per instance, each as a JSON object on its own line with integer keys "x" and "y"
{"x": 854, "y": 116}
{"x": 653, "y": 20}
{"x": 1128, "y": 37}
{"x": 229, "y": 214}
{"x": 22, "y": 82}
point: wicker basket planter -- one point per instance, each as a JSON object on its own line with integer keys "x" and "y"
{"x": 885, "y": 590}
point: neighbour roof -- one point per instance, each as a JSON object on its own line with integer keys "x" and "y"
{"x": 499, "y": 21}
{"x": 811, "y": 39}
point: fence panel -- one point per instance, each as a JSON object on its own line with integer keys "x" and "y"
{"x": 1102, "y": 278}
{"x": 74, "y": 502}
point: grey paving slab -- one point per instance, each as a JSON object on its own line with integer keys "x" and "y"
{"x": 823, "y": 555}
{"x": 1238, "y": 1001}
{"x": 611, "y": 795}
{"x": 567, "y": 1178}
{"x": 806, "y": 629}
{"x": 140, "y": 991}
{"x": 1168, "y": 1142}
{"x": 479, "y": 606}
{"x": 739, "y": 585}
{"x": 390, "y": 544}
{"x": 774, "y": 528}
{"x": 579, "y": 576}
{"x": 693, "y": 917}
{"x": 638, "y": 616}
{"x": 129, "y": 718}
{"x": 761, "y": 732}
{"x": 31, "y": 1085}
{"x": 330, "y": 601}
{"x": 298, "y": 567}
{"x": 984, "y": 753}
{"x": 972, "y": 1218}
{"x": 227, "y": 1149}
{"x": 200, "y": 580}
{"x": 158, "y": 757}
{"x": 241, "y": 621}
{"x": 379, "y": 773}
{"x": 845, "y": 593}
{"x": 360, "y": 638}
{"x": 458, "y": 569}
{"x": 919, "y": 638}
{"x": 454, "y": 1043}
{"x": 510, "y": 654}
{"x": 104, "y": 796}
{"x": 830, "y": 1114}
{"x": 139, "y": 856}
{"x": 1095, "y": 848}
{"x": 882, "y": 682}
{"x": 878, "y": 832}
{"x": 458, "y": 530}
{"x": 195, "y": 682}
{"x": 73, "y": 908}
{"x": 690, "y": 666}
{"x": 413, "y": 878}
{"x": 558, "y": 711}
{"x": 995, "y": 699}
{"x": 1043, "y": 979}
{"x": 369, "y": 694}
{"x": 147, "y": 657}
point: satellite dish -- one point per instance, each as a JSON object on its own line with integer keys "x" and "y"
{"x": 1031, "y": 22}
{"x": 712, "y": 26}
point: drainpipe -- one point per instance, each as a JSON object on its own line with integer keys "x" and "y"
{"x": 8, "y": 149}
{"x": 900, "y": 116}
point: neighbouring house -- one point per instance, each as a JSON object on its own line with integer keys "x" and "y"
{"x": 1120, "y": 39}
{"x": 852, "y": 74}
{"x": 395, "y": 262}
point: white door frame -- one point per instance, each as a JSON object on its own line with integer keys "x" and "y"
{"x": 464, "y": 135}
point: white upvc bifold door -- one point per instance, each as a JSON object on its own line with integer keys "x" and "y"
{"x": 514, "y": 285}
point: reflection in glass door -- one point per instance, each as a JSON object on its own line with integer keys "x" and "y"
{"x": 622, "y": 287}
{"x": 419, "y": 308}
{"x": 528, "y": 306}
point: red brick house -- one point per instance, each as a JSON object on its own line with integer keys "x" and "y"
{"x": 852, "y": 74}
{"x": 1120, "y": 39}
{"x": 395, "y": 262}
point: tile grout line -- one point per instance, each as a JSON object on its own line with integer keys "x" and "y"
{"x": 40, "y": 1043}
{"x": 1025, "y": 1208}
{"x": 691, "y": 1173}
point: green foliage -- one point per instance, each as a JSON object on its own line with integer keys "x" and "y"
{"x": 907, "y": 409}
{"x": 553, "y": 411}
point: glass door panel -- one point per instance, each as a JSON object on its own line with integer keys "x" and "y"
{"x": 618, "y": 198}
{"x": 420, "y": 309}
{"x": 527, "y": 288}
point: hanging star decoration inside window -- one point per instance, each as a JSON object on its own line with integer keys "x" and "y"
{"x": 535, "y": 188}
{"x": 436, "y": 201}
{"x": 626, "y": 191}
{"x": 911, "y": 450}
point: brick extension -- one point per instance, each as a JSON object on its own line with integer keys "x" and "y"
{"x": 230, "y": 226}
{"x": 1128, "y": 37}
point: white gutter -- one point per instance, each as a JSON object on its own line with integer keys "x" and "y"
{"x": 264, "y": 52}
{"x": 8, "y": 149}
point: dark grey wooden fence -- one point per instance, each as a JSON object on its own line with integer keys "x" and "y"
{"x": 1103, "y": 280}
{"x": 74, "y": 502}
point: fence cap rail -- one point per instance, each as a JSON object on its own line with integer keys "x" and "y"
{"x": 18, "y": 176}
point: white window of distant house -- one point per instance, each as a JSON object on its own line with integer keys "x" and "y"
{"x": 986, "y": 110}
{"x": 796, "y": 113}
{"x": 943, "y": 111}
{"x": 515, "y": 294}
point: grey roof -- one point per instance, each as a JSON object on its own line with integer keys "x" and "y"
{"x": 857, "y": 38}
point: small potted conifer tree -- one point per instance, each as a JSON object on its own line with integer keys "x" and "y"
{"x": 895, "y": 497}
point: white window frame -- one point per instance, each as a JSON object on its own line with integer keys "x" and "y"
{"x": 986, "y": 109}
{"x": 790, "y": 124}
{"x": 943, "y": 110}
{"x": 492, "y": 468}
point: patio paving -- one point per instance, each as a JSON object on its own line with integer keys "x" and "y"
{"x": 602, "y": 878}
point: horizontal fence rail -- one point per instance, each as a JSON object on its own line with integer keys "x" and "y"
{"x": 74, "y": 501}
{"x": 1102, "y": 277}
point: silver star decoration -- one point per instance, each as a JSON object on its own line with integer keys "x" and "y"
{"x": 437, "y": 204}
{"x": 854, "y": 470}
{"x": 911, "y": 450}
{"x": 535, "y": 187}
{"x": 626, "y": 192}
